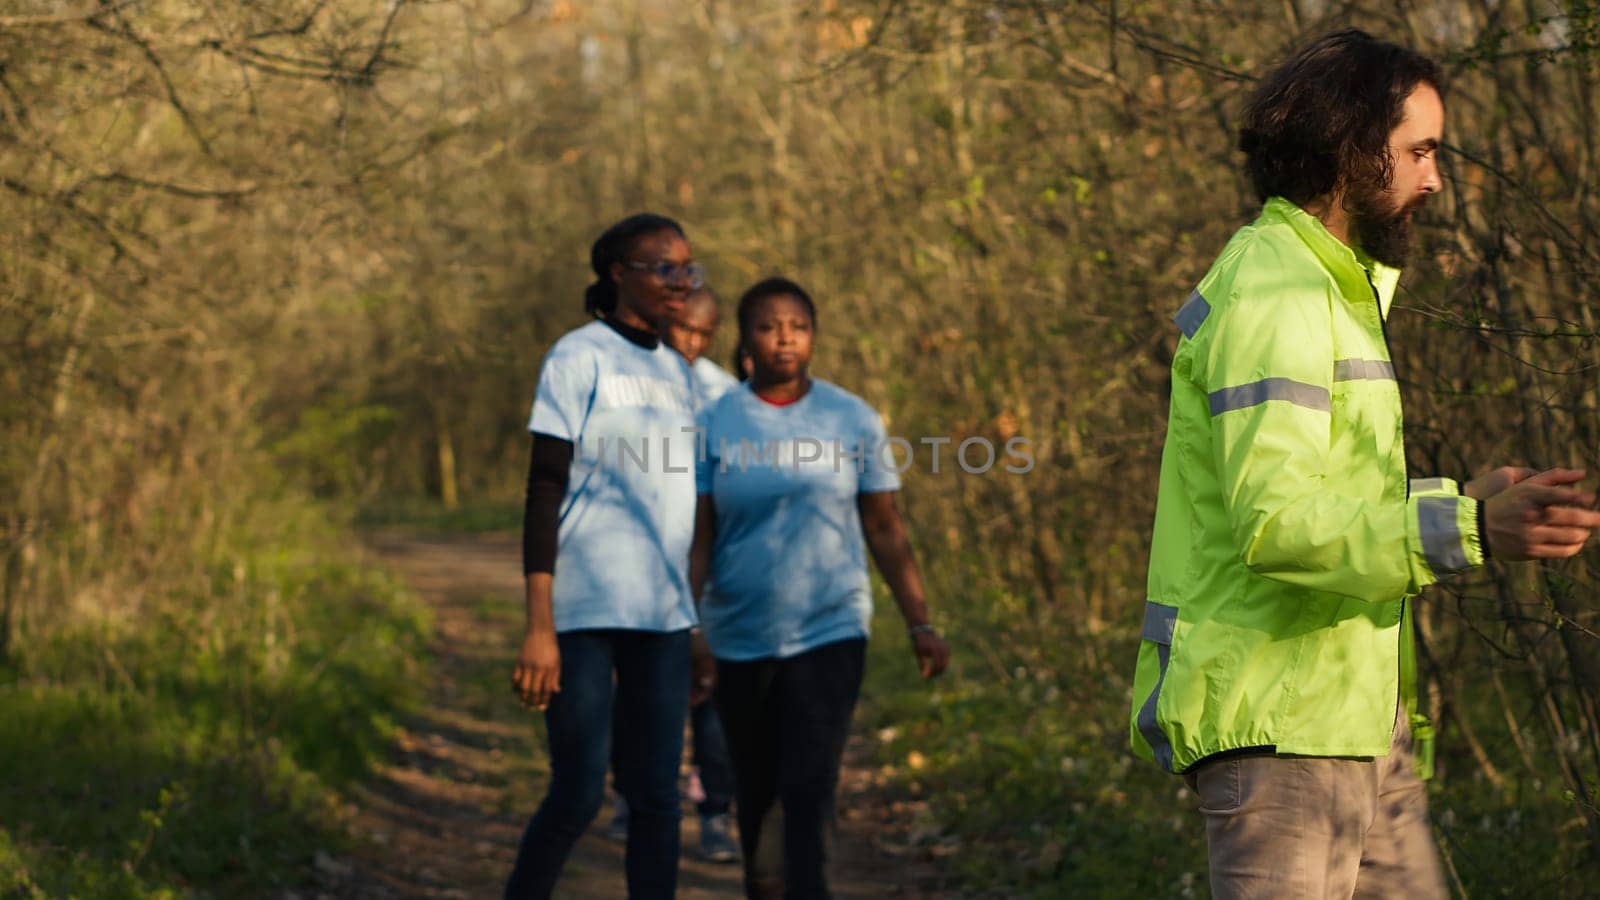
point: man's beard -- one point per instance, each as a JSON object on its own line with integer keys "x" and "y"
{"x": 1382, "y": 231}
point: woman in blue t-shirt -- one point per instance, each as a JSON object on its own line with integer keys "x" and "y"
{"x": 796, "y": 485}
{"x": 606, "y": 537}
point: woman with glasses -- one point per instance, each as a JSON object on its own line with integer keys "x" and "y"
{"x": 796, "y": 488}
{"x": 606, "y": 534}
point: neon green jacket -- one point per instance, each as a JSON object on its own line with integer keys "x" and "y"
{"x": 1287, "y": 538}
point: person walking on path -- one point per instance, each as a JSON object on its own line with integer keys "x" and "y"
{"x": 795, "y": 487}
{"x": 1277, "y": 670}
{"x": 606, "y": 540}
{"x": 691, "y": 333}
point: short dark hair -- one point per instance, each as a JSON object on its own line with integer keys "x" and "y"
{"x": 613, "y": 246}
{"x": 770, "y": 287}
{"x": 1322, "y": 119}
{"x": 705, "y": 291}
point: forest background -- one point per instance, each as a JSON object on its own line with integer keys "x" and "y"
{"x": 272, "y": 272}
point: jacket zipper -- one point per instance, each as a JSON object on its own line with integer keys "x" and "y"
{"x": 1383, "y": 329}
{"x": 1403, "y": 701}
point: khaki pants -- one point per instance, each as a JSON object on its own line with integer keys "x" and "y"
{"x": 1318, "y": 827}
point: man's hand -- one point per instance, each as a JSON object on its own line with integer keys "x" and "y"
{"x": 538, "y": 673}
{"x": 1490, "y": 483}
{"x": 702, "y": 670}
{"x": 1540, "y": 517}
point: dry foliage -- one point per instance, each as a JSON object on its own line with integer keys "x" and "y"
{"x": 339, "y": 235}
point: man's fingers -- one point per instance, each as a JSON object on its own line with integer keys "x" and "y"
{"x": 1571, "y": 516}
{"x": 1557, "y": 476}
{"x": 1546, "y": 495}
{"x": 1554, "y": 551}
{"x": 1558, "y": 536}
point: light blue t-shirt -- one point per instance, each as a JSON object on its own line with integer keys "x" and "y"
{"x": 711, "y": 381}
{"x": 789, "y": 567}
{"x": 628, "y": 516}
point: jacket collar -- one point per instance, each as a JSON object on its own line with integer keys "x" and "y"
{"x": 1350, "y": 267}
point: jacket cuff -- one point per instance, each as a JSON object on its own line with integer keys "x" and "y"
{"x": 1434, "y": 487}
{"x": 1447, "y": 532}
{"x": 1483, "y": 534}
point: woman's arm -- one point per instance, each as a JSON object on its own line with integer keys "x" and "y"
{"x": 891, "y": 550}
{"x": 538, "y": 670}
{"x": 537, "y": 676}
{"x": 704, "y": 665}
{"x": 705, "y": 538}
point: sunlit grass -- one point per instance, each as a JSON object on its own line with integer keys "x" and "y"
{"x": 198, "y": 749}
{"x": 1028, "y": 785}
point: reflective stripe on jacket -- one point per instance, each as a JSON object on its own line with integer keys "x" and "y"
{"x": 1287, "y": 538}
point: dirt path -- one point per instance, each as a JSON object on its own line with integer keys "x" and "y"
{"x": 443, "y": 818}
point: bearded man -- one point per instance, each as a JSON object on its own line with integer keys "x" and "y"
{"x": 1277, "y": 668}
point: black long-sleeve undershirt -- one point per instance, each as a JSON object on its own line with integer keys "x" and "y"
{"x": 549, "y": 467}
{"x": 648, "y": 340}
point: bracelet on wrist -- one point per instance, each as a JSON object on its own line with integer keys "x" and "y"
{"x": 924, "y": 628}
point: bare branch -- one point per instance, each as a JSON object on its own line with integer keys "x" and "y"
{"x": 20, "y": 22}
{"x": 126, "y": 32}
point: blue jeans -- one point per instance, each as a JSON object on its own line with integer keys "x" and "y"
{"x": 709, "y": 751}
{"x": 651, "y": 696}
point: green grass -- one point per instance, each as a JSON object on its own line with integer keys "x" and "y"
{"x": 198, "y": 748}
{"x": 1022, "y": 755}
{"x": 1027, "y": 774}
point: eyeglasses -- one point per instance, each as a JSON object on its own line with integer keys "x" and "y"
{"x": 693, "y": 272}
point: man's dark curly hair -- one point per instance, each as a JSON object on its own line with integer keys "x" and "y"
{"x": 1321, "y": 121}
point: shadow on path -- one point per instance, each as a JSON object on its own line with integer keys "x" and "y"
{"x": 443, "y": 816}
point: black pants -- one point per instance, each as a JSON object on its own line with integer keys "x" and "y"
{"x": 786, "y": 721}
